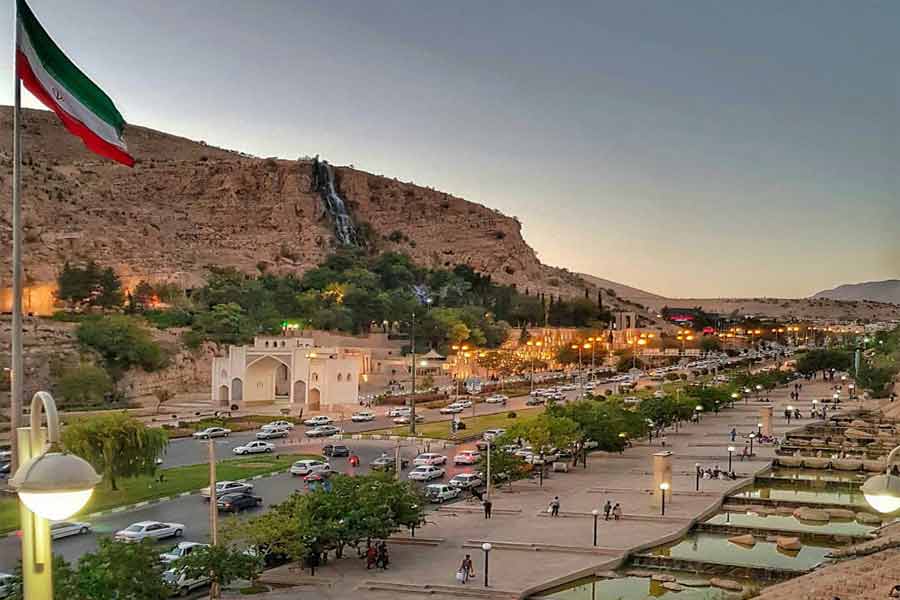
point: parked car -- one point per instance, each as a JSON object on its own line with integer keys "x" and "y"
{"x": 319, "y": 420}
{"x": 211, "y": 432}
{"x": 307, "y": 466}
{"x": 278, "y": 425}
{"x": 149, "y": 530}
{"x": 491, "y": 434}
{"x": 534, "y": 401}
{"x": 272, "y": 433}
{"x": 335, "y": 450}
{"x": 441, "y": 492}
{"x": 430, "y": 458}
{"x": 387, "y": 463}
{"x": 180, "y": 550}
{"x": 404, "y": 420}
{"x": 227, "y": 487}
{"x": 362, "y": 416}
{"x": 67, "y": 528}
{"x": 321, "y": 431}
{"x": 426, "y": 473}
{"x": 235, "y": 503}
{"x": 466, "y": 481}
{"x": 451, "y": 409}
{"x": 181, "y": 584}
{"x": 255, "y": 447}
{"x": 467, "y": 457}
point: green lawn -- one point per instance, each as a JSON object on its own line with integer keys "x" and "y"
{"x": 177, "y": 480}
{"x": 474, "y": 425}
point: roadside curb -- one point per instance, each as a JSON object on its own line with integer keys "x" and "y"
{"x": 433, "y": 442}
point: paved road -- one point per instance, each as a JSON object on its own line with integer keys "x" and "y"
{"x": 193, "y": 511}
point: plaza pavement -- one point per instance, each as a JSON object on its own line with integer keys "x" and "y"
{"x": 531, "y": 550}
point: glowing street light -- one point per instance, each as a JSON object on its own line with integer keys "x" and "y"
{"x": 882, "y": 492}
{"x": 663, "y": 487}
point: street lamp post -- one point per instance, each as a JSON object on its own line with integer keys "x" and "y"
{"x": 730, "y": 453}
{"x": 699, "y": 410}
{"x": 734, "y": 396}
{"x": 595, "y": 513}
{"x": 882, "y": 492}
{"x": 663, "y": 487}
{"x": 52, "y": 485}
{"x": 486, "y": 547}
{"x": 697, "y": 473}
{"x": 759, "y": 429}
{"x": 752, "y": 436}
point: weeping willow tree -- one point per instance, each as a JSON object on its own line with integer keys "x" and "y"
{"x": 115, "y": 444}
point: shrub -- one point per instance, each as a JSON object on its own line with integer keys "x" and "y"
{"x": 511, "y": 414}
{"x": 84, "y": 385}
{"x": 122, "y": 342}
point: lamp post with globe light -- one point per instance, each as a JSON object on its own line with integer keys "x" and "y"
{"x": 663, "y": 487}
{"x": 882, "y": 492}
{"x": 595, "y": 513}
{"x": 486, "y": 548}
{"x": 730, "y": 453}
{"x": 52, "y": 485}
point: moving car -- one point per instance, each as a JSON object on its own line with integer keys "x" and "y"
{"x": 451, "y": 409}
{"x": 534, "y": 401}
{"x": 227, "y": 487}
{"x": 335, "y": 450}
{"x": 149, "y": 530}
{"x": 180, "y": 584}
{"x": 67, "y": 528}
{"x": 466, "y": 481}
{"x": 399, "y": 411}
{"x": 426, "y": 473}
{"x": 387, "y": 463}
{"x": 362, "y": 416}
{"x": 256, "y": 447}
{"x": 235, "y": 503}
{"x": 320, "y": 420}
{"x": 496, "y": 399}
{"x": 464, "y": 403}
{"x": 180, "y": 550}
{"x": 321, "y": 431}
{"x": 405, "y": 420}
{"x": 440, "y": 492}
{"x": 271, "y": 433}
{"x": 307, "y": 466}
{"x": 430, "y": 458}
{"x": 467, "y": 457}
{"x": 278, "y": 425}
{"x": 491, "y": 434}
{"x": 211, "y": 432}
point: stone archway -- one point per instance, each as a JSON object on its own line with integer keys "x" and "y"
{"x": 282, "y": 381}
{"x": 300, "y": 393}
{"x": 315, "y": 397}
{"x": 237, "y": 391}
{"x": 223, "y": 396}
{"x": 260, "y": 379}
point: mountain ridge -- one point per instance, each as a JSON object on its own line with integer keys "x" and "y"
{"x": 886, "y": 290}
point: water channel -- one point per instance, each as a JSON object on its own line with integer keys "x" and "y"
{"x": 715, "y": 548}
{"x": 637, "y": 588}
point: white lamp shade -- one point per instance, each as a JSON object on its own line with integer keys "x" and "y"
{"x": 882, "y": 492}
{"x": 55, "y": 485}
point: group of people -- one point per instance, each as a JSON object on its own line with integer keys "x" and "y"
{"x": 716, "y": 473}
{"x": 795, "y": 413}
{"x": 612, "y": 509}
{"x": 377, "y": 556}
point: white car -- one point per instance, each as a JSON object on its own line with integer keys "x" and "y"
{"x": 430, "y": 458}
{"x": 400, "y": 411}
{"x": 180, "y": 550}
{"x": 465, "y": 481}
{"x": 321, "y": 431}
{"x": 278, "y": 425}
{"x": 405, "y": 420}
{"x": 307, "y": 466}
{"x": 316, "y": 421}
{"x": 211, "y": 432}
{"x": 496, "y": 399}
{"x": 271, "y": 433}
{"x": 492, "y": 434}
{"x": 467, "y": 457}
{"x": 426, "y": 473}
{"x": 149, "y": 530}
{"x": 439, "y": 492}
{"x": 451, "y": 409}
{"x": 255, "y": 447}
{"x": 464, "y": 403}
{"x": 181, "y": 583}
{"x": 228, "y": 487}
{"x": 363, "y": 416}
{"x": 67, "y": 528}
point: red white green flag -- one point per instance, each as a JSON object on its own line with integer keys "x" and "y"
{"x": 84, "y": 108}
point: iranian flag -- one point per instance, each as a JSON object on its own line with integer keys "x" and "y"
{"x": 84, "y": 108}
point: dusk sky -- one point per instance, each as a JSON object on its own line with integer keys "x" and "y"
{"x": 687, "y": 148}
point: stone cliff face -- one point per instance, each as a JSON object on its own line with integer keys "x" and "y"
{"x": 187, "y": 205}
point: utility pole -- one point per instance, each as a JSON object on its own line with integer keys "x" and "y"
{"x": 412, "y": 400}
{"x": 16, "y": 373}
{"x": 213, "y": 507}
{"x": 487, "y": 489}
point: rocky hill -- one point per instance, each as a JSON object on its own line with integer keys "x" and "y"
{"x": 186, "y": 205}
{"x": 877, "y": 291}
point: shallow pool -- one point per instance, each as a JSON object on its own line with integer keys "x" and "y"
{"x": 789, "y": 523}
{"x": 634, "y": 588}
{"x": 839, "y": 497}
{"x": 818, "y": 475}
{"x": 714, "y": 547}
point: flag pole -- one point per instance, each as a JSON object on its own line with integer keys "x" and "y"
{"x": 16, "y": 367}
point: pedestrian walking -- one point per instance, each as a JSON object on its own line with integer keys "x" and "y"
{"x": 487, "y": 508}
{"x": 554, "y": 507}
{"x": 744, "y": 452}
{"x": 733, "y": 433}
{"x": 606, "y": 509}
{"x": 383, "y": 560}
{"x": 371, "y": 557}
{"x": 663, "y": 440}
{"x": 466, "y": 570}
{"x": 617, "y": 512}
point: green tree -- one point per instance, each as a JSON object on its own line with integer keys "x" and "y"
{"x": 84, "y": 385}
{"x": 226, "y": 323}
{"x": 122, "y": 342}
{"x": 116, "y": 571}
{"x": 115, "y": 444}
{"x": 163, "y": 396}
{"x": 710, "y": 343}
{"x": 505, "y": 466}
{"x": 819, "y": 359}
{"x": 545, "y": 432}
{"x": 273, "y": 534}
{"x": 222, "y": 564}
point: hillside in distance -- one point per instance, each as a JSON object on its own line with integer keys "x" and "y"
{"x": 186, "y": 205}
{"x": 876, "y": 291}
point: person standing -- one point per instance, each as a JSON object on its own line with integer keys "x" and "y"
{"x": 554, "y": 507}
{"x": 733, "y": 433}
{"x": 606, "y": 510}
{"x": 617, "y": 512}
{"x": 487, "y": 508}
{"x": 467, "y": 569}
